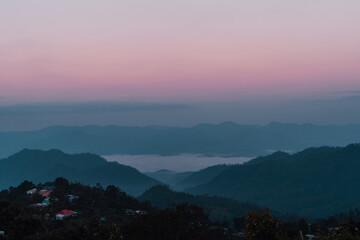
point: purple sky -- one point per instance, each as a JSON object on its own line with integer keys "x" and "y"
{"x": 118, "y": 62}
{"x": 177, "y": 51}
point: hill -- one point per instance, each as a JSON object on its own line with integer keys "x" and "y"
{"x": 200, "y": 177}
{"x": 77, "y": 211}
{"x": 222, "y": 139}
{"x": 316, "y": 182}
{"x": 220, "y": 209}
{"x": 168, "y": 177}
{"x": 41, "y": 166}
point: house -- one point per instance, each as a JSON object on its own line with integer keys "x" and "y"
{"x": 333, "y": 229}
{"x": 46, "y": 201}
{"x": 134, "y": 212}
{"x": 3, "y": 235}
{"x": 140, "y": 212}
{"x": 32, "y": 191}
{"x": 45, "y": 192}
{"x": 64, "y": 213}
{"x": 129, "y": 212}
{"x": 310, "y": 236}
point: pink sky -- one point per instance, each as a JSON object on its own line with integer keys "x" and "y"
{"x": 177, "y": 50}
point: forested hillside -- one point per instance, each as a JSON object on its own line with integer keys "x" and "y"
{"x": 219, "y": 209}
{"x": 314, "y": 182}
{"x": 41, "y": 166}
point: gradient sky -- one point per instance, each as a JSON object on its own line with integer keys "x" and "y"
{"x": 178, "y": 50}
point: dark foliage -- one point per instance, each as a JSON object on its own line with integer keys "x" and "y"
{"x": 110, "y": 214}
{"x": 185, "y": 222}
{"x": 102, "y": 214}
{"x": 219, "y": 209}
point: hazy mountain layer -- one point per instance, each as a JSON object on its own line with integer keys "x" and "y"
{"x": 169, "y": 177}
{"x": 200, "y": 177}
{"x": 223, "y": 139}
{"x": 41, "y": 166}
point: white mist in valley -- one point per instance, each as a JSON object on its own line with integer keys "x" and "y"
{"x": 176, "y": 163}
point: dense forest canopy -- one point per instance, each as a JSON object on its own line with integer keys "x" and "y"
{"x": 108, "y": 213}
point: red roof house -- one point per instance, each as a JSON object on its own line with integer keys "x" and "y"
{"x": 65, "y": 213}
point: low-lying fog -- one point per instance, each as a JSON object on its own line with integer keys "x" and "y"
{"x": 178, "y": 163}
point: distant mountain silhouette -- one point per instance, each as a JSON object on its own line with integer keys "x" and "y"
{"x": 200, "y": 177}
{"x": 315, "y": 182}
{"x": 224, "y": 139}
{"x": 169, "y": 177}
{"x": 221, "y": 209}
{"x": 41, "y": 166}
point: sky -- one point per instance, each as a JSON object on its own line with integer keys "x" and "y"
{"x": 181, "y": 52}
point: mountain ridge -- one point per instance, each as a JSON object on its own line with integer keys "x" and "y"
{"x": 315, "y": 182}
{"x": 41, "y": 166}
{"x": 228, "y": 139}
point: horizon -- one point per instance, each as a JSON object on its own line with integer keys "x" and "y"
{"x": 178, "y": 64}
{"x": 341, "y": 110}
{"x": 176, "y": 126}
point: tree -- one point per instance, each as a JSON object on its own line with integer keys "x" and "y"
{"x": 239, "y": 223}
{"x": 186, "y": 222}
{"x": 260, "y": 225}
{"x": 60, "y": 181}
{"x": 15, "y": 225}
{"x": 346, "y": 231}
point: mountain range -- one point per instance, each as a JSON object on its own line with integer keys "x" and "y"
{"x": 226, "y": 139}
{"x": 315, "y": 182}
